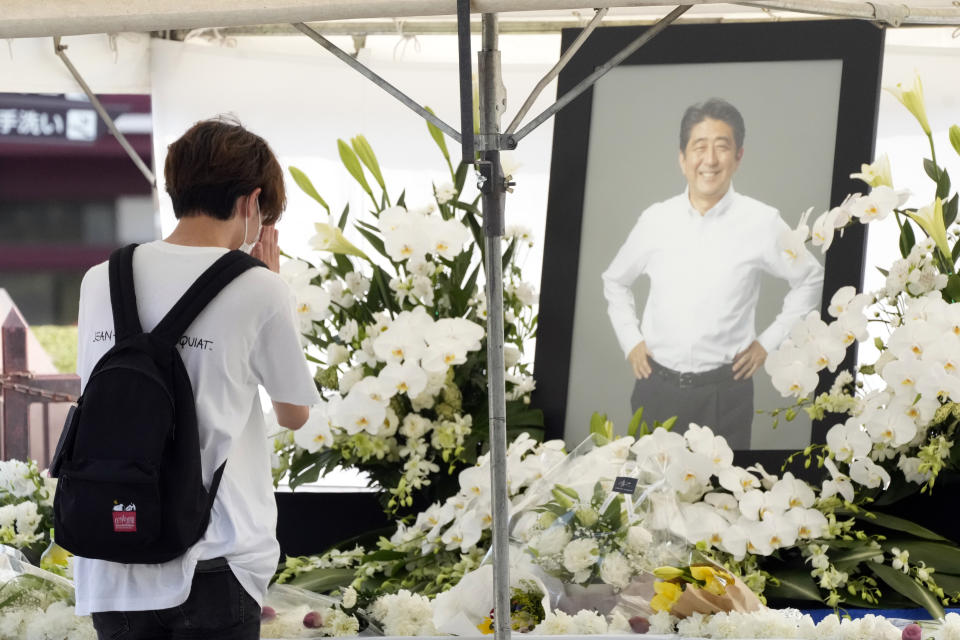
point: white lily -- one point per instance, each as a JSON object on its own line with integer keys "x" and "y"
{"x": 875, "y": 174}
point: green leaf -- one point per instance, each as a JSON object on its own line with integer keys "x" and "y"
{"x": 521, "y": 415}
{"x": 460, "y": 177}
{"x": 884, "y": 272}
{"x": 508, "y": 254}
{"x": 948, "y": 582}
{"x": 943, "y": 186}
{"x": 381, "y": 279}
{"x": 437, "y": 136}
{"x": 601, "y": 427}
{"x": 950, "y": 210}
{"x": 375, "y": 241}
{"x": 343, "y": 217}
{"x": 323, "y": 580}
{"x": 852, "y": 557}
{"x": 384, "y": 555}
{"x": 635, "y": 423}
{"x": 366, "y": 155}
{"x": 669, "y": 423}
{"x": 352, "y": 163}
{"x": 955, "y": 138}
{"x": 932, "y": 170}
{"x": 953, "y": 286}
{"x": 306, "y": 186}
{"x": 795, "y": 584}
{"x": 906, "y": 586}
{"x": 893, "y": 522}
{"x": 907, "y": 239}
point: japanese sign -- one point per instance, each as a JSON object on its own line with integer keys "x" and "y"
{"x": 47, "y": 120}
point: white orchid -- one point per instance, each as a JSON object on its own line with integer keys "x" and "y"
{"x": 359, "y": 412}
{"x": 848, "y": 441}
{"x": 839, "y": 484}
{"x": 316, "y": 433}
{"x": 408, "y": 378}
{"x": 868, "y": 473}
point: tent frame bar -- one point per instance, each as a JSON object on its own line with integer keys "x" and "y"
{"x": 377, "y": 80}
{"x": 511, "y": 140}
{"x": 557, "y": 68}
{"x": 60, "y": 49}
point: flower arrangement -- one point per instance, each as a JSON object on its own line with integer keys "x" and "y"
{"x": 895, "y": 421}
{"x": 445, "y": 542}
{"x": 26, "y": 506}
{"x": 398, "y": 334}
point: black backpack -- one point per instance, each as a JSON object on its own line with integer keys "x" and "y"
{"x": 130, "y": 483}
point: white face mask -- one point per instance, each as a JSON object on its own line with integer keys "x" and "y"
{"x": 247, "y": 247}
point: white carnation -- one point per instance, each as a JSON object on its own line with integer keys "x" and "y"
{"x": 615, "y": 570}
{"x": 580, "y": 554}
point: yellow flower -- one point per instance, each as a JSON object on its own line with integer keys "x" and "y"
{"x": 667, "y": 573}
{"x": 667, "y": 594}
{"x": 912, "y": 99}
{"x": 930, "y": 219}
{"x": 716, "y": 581}
{"x": 486, "y": 627}
{"x": 876, "y": 174}
{"x": 330, "y": 238}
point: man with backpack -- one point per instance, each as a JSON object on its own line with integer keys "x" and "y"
{"x": 179, "y": 544}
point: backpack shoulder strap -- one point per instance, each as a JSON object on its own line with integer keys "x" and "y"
{"x": 123, "y": 296}
{"x": 198, "y": 296}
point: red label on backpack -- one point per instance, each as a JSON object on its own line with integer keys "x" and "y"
{"x": 124, "y": 521}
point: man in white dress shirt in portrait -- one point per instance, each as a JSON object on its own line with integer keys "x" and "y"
{"x": 696, "y": 350}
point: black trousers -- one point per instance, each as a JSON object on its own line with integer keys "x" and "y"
{"x": 218, "y": 608}
{"x": 710, "y": 399}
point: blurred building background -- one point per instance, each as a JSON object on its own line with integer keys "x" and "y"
{"x": 69, "y": 194}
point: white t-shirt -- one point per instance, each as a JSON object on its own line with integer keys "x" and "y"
{"x": 245, "y": 337}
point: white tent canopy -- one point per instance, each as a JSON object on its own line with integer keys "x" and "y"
{"x": 28, "y": 18}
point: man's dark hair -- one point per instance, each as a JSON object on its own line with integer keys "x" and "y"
{"x": 215, "y": 162}
{"x": 715, "y": 109}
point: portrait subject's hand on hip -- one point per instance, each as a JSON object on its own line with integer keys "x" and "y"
{"x": 746, "y": 363}
{"x": 267, "y": 249}
{"x": 638, "y": 358}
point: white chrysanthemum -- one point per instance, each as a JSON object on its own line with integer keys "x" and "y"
{"x": 16, "y": 478}
{"x": 555, "y": 623}
{"x": 589, "y": 623}
{"x": 662, "y": 623}
{"x": 338, "y": 624}
{"x": 950, "y": 629}
{"x": 580, "y": 554}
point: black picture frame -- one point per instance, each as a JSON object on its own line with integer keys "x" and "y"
{"x": 858, "y": 44}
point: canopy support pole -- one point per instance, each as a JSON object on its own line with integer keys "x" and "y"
{"x": 493, "y": 189}
{"x": 511, "y": 139}
{"x": 377, "y": 80}
{"x": 557, "y": 68}
{"x": 60, "y": 50}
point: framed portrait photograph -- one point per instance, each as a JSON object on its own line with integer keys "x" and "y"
{"x": 671, "y": 179}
